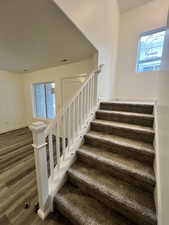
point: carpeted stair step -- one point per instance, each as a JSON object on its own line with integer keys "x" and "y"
{"x": 132, "y": 171}
{"x": 128, "y": 107}
{"x": 135, "y": 132}
{"x": 126, "y": 117}
{"x": 127, "y": 147}
{"x": 137, "y": 205}
{"x": 81, "y": 209}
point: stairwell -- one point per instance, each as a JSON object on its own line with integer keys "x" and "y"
{"x": 112, "y": 181}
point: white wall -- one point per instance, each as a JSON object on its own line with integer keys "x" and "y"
{"x": 99, "y": 22}
{"x": 163, "y": 137}
{"x": 12, "y": 110}
{"x": 55, "y": 74}
{"x": 162, "y": 149}
{"x": 131, "y": 84}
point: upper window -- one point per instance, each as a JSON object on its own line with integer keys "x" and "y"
{"x": 150, "y": 50}
{"x": 44, "y": 100}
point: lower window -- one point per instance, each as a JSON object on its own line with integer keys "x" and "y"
{"x": 44, "y": 100}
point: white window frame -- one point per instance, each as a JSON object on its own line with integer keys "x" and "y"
{"x": 157, "y": 30}
{"x": 34, "y": 103}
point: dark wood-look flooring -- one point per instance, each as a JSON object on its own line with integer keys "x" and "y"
{"x": 18, "y": 181}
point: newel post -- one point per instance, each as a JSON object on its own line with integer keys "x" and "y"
{"x": 39, "y": 145}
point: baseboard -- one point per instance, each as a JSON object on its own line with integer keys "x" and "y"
{"x": 5, "y": 130}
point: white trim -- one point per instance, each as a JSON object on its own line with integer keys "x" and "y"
{"x": 157, "y": 165}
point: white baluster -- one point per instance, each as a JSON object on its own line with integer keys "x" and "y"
{"x": 51, "y": 155}
{"x": 73, "y": 121}
{"x": 58, "y": 155}
{"x": 80, "y": 108}
{"x": 90, "y": 82}
{"x": 78, "y": 114}
{"x": 88, "y": 98}
{"x": 69, "y": 129}
{"x": 83, "y": 106}
{"x": 63, "y": 137}
{"x": 95, "y": 91}
{"x": 92, "y": 93}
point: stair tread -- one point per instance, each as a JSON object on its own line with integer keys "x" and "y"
{"x": 126, "y": 113}
{"x": 129, "y": 197}
{"x": 83, "y": 209}
{"x": 141, "y": 146}
{"x": 123, "y": 125}
{"x": 131, "y": 166}
{"x": 129, "y": 103}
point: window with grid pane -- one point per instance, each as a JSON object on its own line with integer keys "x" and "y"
{"x": 150, "y": 50}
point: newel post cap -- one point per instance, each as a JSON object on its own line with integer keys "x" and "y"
{"x": 38, "y": 126}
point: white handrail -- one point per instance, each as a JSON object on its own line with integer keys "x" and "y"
{"x": 55, "y": 143}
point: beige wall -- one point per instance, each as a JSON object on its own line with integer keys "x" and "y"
{"x": 148, "y": 85}
{"x": 55, "y": 74}
{"x": 12, "y": 110}
{"x": 99, "y": 22}
{"x": 163, "y": 137}
{"x": 131, "y": 84}
{"x": 162, "y": 148}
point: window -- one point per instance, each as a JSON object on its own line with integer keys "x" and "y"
{"x": 44, "y": 100}
{"x": 151, "y": 50}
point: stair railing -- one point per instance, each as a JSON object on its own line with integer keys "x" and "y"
{"x": 55, "y": 144}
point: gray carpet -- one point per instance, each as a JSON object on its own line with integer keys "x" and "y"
{"x": 112, "y": 182}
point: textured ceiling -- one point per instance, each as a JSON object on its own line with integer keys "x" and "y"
{"x": 126, "y": 5}
{"x": 35, "y": 34}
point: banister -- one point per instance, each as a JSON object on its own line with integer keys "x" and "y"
{"x": 55, "y": 145}
{"x": 61, "y": 112}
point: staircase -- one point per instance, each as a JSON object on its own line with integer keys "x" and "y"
{"x": 112, "y": 181}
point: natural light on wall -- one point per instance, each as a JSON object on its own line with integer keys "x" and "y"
{"x": 150, "y": 50}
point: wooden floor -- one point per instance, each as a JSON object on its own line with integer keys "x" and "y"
{"x": 18, "y": 181}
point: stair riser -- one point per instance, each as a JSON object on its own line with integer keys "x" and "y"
{"x": 119, "y": 172}
{"x": 143, "y": 121}
{"x": 124, "y": 132}
{"x": 63, "y": 209}
{"x": 124, "y": 150}
{"x": 147, "y": 109}
{"x": 111, "y": 201}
